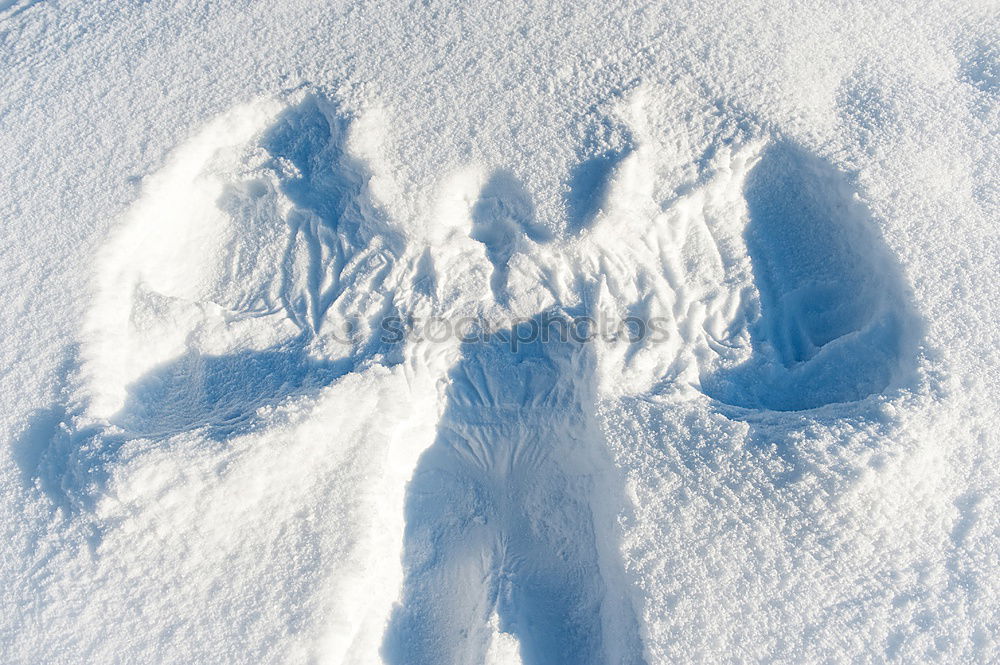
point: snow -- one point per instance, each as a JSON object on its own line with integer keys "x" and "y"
{"x": 213, "y": 215}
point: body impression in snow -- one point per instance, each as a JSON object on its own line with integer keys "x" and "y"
{"x": 241, "y": 306}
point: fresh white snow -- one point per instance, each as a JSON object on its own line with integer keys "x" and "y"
{"x": 275, "y": 279}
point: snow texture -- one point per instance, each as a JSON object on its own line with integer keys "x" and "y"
{"x": 234, "y": 436}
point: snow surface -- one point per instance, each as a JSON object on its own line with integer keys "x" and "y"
{"x": 215, "y": 455}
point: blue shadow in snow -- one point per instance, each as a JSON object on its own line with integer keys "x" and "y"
{"x": 500, "y": 218}
{"x": 589, "y": 182}
{"x": 497, "y": 521}
{"x": 216, "y": 396}
{"x": 982, "y": 69}
{"x": 222, "y": 394}
{"x": 835, "y": 324}
{"x": 333, "y": 220}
